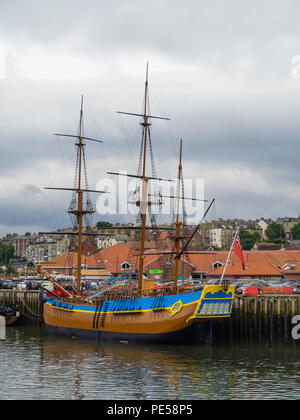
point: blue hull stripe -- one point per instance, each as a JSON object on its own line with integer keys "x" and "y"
{"x": 137, "y": 304}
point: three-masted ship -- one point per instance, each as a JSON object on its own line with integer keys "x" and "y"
{"x": 140, "y": 314}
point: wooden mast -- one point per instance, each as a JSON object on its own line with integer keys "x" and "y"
{"x": 144, "y": 202}
{"x": 177, "y": 223}
{"x": 80, "y": 203}
{"x": 79, "y": 211}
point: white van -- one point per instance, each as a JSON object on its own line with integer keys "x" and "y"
{"x": 48, "y": 285}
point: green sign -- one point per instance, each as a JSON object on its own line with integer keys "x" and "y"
{"x": 156, "y": 271}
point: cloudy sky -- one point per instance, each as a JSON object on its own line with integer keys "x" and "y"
{"x": 225, "y": 72}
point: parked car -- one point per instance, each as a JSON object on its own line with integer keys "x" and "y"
{"x": 48, "y": 285}
{"x": 238, "y": 284}
{"x": 241, "y": 289}
{"x": 290, "y": 284}
{"x": 35, "y": 285}
{"x": 296, "y": 288}
{"x": 213, "y": 281}
{"x": 11, "y": 284}
{"x": 260, "y": 285}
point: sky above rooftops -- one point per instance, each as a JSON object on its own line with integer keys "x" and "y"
{"x": 222, "y": 72}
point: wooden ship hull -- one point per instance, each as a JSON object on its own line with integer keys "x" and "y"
{"x": 177, "y": 318}
{"x": 137, "y": 315}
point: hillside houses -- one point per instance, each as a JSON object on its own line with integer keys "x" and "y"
{"x": 117, "y": 251}
{"x": 122, "y": 259}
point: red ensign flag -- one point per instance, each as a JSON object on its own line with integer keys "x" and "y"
{"x": 238, "y": 250}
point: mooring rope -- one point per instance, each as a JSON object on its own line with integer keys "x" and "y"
{"x": 36, "y": 315}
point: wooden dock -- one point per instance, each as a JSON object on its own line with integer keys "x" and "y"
{"x": 281, "y": 305}
{"x": 260, "y": 318}
{"x": 29, "y": 302}
{"x": 254, "y": 318}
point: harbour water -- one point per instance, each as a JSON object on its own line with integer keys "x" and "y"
{"x": 36, "y": 366}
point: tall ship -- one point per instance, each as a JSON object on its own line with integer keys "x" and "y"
{"x": 141, "y": 313}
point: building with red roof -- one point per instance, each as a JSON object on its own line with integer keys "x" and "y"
{"x": 159, "y": 263}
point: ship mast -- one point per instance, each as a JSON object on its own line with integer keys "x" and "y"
{"x": 79, "y": 211}
{"x": 177, "y": 223}
{"x": 178, "y": 236}
{"x": 143, "y": 204}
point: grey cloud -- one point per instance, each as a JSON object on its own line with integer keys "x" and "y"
{"x": 200, "y": 31}
{"x": 227, "y": 87}
{"x": 30, "y": 189}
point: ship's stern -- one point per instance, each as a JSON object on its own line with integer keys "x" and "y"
{"x": 216, "y": 302}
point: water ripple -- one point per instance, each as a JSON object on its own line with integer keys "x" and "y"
{"x": 37, "y": 367}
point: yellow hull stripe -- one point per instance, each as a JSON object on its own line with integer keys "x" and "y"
{"x": 117, "y": 312}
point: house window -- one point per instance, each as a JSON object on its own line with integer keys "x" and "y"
{"x": 125, "y": 266}
{"x": 217, "y": 264}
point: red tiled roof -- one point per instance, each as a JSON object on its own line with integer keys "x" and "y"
{"x": 66, "y": 260}
{"x": 258, "y": 262}
{"x": 111, "y": 258}
{"x": 204, "y": 262}
{"x": 163, "y": 235}
{"x": 252, "y": 269}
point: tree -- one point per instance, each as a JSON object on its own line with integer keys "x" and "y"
{"x": 102, "y": 224}
{"x": 248, "y": 239}
{"x": 10, "y": 270}
{"x": 7, "y": 252}
{"x": 296, "y": 231}
{"x": 275, "y": 232}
